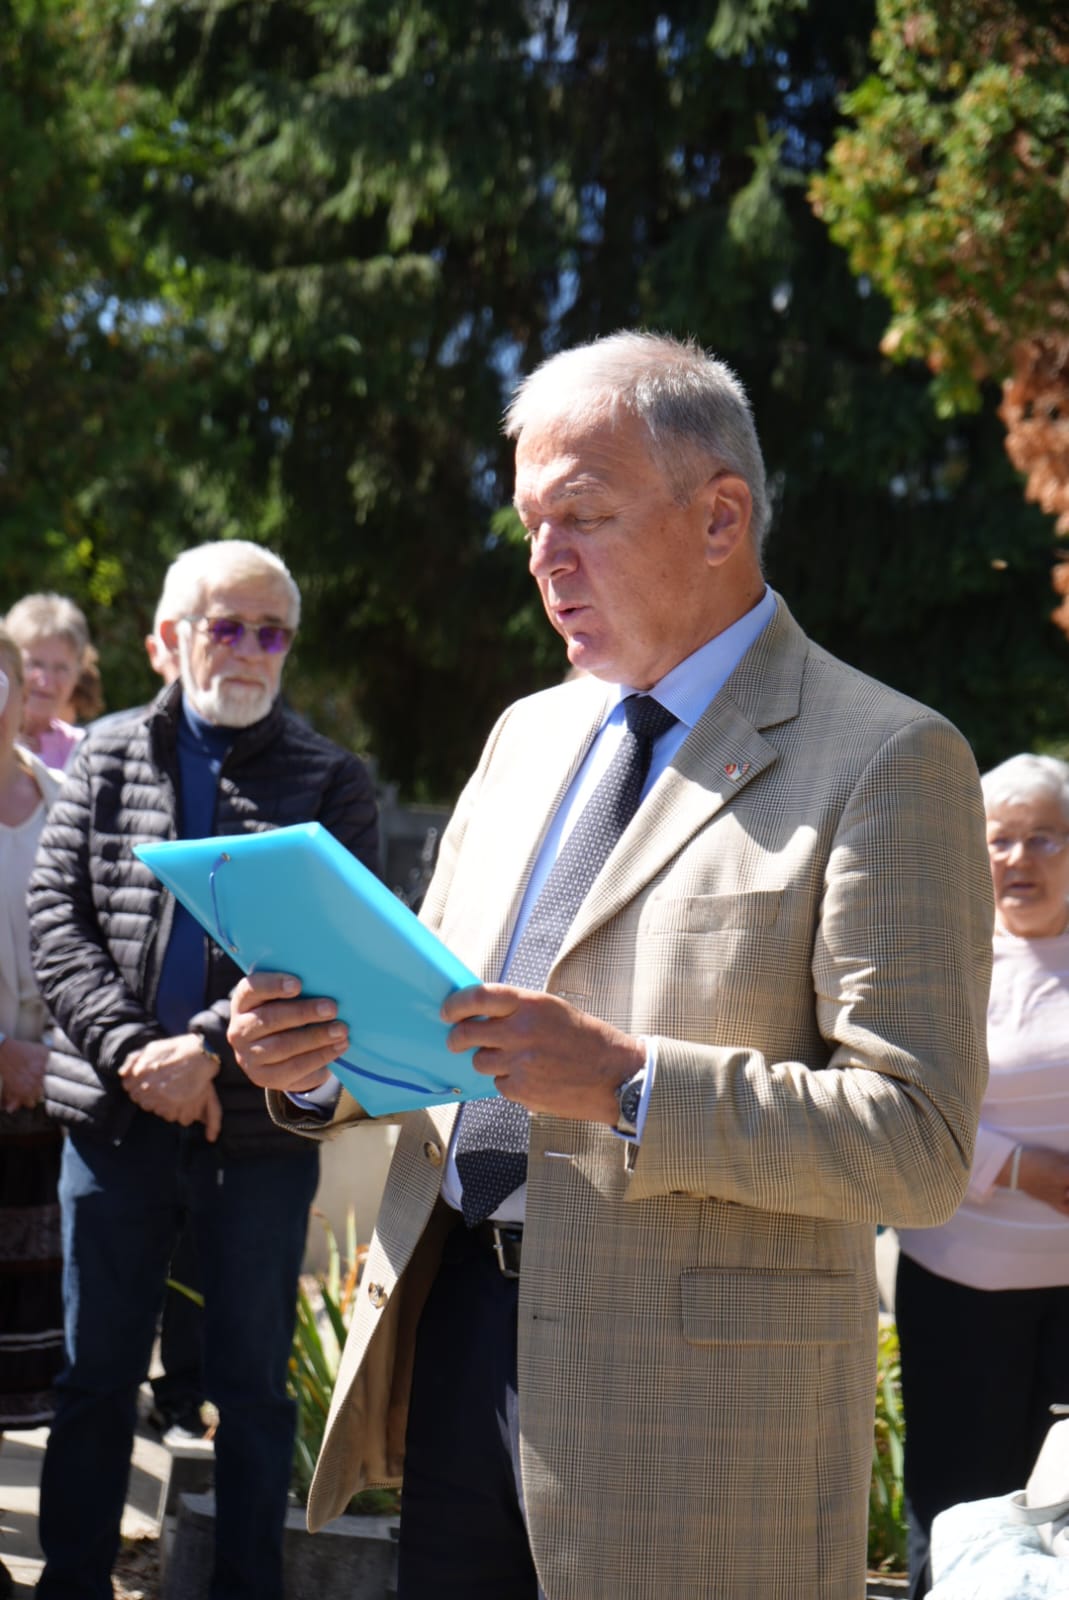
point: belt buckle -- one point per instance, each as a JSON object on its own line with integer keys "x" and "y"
{"x": 507, "y": 1242}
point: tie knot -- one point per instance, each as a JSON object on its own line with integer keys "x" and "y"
{"x": 646, "y": 718}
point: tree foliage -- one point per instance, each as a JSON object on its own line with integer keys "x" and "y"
{"x": 354, "y": 224}
{"x": 951, "y": 193}
{"x": 102, "y": 462}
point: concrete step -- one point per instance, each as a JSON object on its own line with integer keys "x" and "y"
{"x": 21, "y": 1457}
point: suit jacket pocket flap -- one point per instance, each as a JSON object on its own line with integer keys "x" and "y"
{"x": 730, "y": 1307}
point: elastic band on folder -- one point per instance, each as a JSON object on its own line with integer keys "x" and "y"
{"x": 221, "y": 934}
{"x": 379, "y": 1077}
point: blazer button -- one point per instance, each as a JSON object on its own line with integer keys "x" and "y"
{"x": 433, "y": 1152}
{"x": 378, "y": 1294}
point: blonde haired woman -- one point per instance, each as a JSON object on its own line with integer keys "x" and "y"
{"x": 60, "y": 672}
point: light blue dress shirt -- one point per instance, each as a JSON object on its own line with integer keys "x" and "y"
{"x": 686, "y": 691}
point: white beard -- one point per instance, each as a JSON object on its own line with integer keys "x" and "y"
{"x": 222, "y": 703}
{"x": 230, "y": 705}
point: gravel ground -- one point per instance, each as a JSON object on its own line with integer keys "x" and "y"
{"x": 137, "y": 1571}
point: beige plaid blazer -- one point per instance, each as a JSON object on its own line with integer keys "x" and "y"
{"x": 800, "y": 917}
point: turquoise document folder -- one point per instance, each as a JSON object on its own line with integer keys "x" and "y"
{"x": 295, "y": 900}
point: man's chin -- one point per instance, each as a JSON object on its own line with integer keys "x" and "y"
{"x": 231, "y": 705}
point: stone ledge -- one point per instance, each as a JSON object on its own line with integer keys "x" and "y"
{"x": 886, "y": 1587}
{"x": 352, "y": 1558}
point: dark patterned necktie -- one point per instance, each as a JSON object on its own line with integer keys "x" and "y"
{"x": 491, "y": 1147}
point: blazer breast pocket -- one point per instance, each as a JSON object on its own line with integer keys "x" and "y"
{"x": 712, "y": 913}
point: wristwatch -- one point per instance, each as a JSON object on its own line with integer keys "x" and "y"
{"x": 628, "y": 1100}
{"x": 206, "y": 1049}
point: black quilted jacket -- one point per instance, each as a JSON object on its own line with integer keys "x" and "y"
{"x": 100, "y": 921}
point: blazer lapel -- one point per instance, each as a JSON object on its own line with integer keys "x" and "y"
{"x": 722, "y": 755}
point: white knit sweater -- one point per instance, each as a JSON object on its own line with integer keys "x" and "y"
{"x": 1001, "y": 1238}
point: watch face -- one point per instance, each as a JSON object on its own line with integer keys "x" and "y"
{"x": 630, "y": 1100}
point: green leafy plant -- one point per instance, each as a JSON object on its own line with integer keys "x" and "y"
{"x": 887, "y": 1518}
{"x": 318, "y": 1340}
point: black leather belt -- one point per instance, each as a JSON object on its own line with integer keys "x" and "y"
{"x": 505, "y": 1239}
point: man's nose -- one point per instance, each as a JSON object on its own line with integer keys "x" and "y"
{"x": 550, "y": 550}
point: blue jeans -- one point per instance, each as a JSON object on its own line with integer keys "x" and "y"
{"x": 121, "y": 1207}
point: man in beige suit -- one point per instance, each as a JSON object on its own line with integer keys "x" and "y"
{"x": 759, "y": 1033}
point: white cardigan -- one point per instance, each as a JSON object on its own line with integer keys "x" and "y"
{"x": 1002, "y": 1238}
{"x": 48, "y": 782}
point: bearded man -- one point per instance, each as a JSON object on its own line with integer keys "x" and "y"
{"x": 164, "y": 1130}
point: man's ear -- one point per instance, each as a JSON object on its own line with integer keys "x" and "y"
{"x": 168, "y": 632}
{"x": 729, "y": 508}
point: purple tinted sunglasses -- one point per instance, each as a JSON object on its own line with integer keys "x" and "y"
{"x": 272, "y": 637}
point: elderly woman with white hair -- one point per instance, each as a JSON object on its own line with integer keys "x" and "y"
{"x": 982, "y": 1303}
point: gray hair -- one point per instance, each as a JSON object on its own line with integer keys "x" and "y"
{"x": 48, "y": 616}
{"x": 695, "y": 409}
{"x": 192, "y": 573}
{"x": 1022, "y": 778}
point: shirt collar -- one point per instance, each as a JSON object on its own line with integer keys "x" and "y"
{"x": 689, "y": 687}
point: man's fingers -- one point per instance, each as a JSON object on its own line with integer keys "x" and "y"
{"x": 477, "y": 1033}
{"x": 277, "y": 1017}
{"x": 482, "y": 1000}
{"x": 293, "y": 1062}
{"x": 256, "y": 987}
{"x": 212, "y": 1115}
{"x": 281, "y": 1039}
{"x": 325, "y": 1040}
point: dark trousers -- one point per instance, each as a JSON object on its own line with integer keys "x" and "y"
{"x": 980, "y": 1370}
{"x": 121, "y": 1209}
{"x": 463, "y": 1535}
{"x": 179, "y": 1388}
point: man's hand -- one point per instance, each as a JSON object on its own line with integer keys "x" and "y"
{"x": 543, "y": 1052}
{"x": 172, "y": 1078}
{"x": 282, "y": 1040}
{"x": 22, "y": 1073}
{"x": 1042, "y": 1173}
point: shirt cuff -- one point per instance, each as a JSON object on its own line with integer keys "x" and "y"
{"x": 993, "y": 1149}
{"x": 320, "y": 1102}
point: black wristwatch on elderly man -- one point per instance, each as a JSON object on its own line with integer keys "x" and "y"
{"x": 206, "y": 1049}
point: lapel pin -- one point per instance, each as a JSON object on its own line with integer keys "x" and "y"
{"x": 734, "y": 770}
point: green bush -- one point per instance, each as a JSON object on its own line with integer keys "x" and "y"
{"x": 318, "y": 1341}
{"x": 887, "y": 1518}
